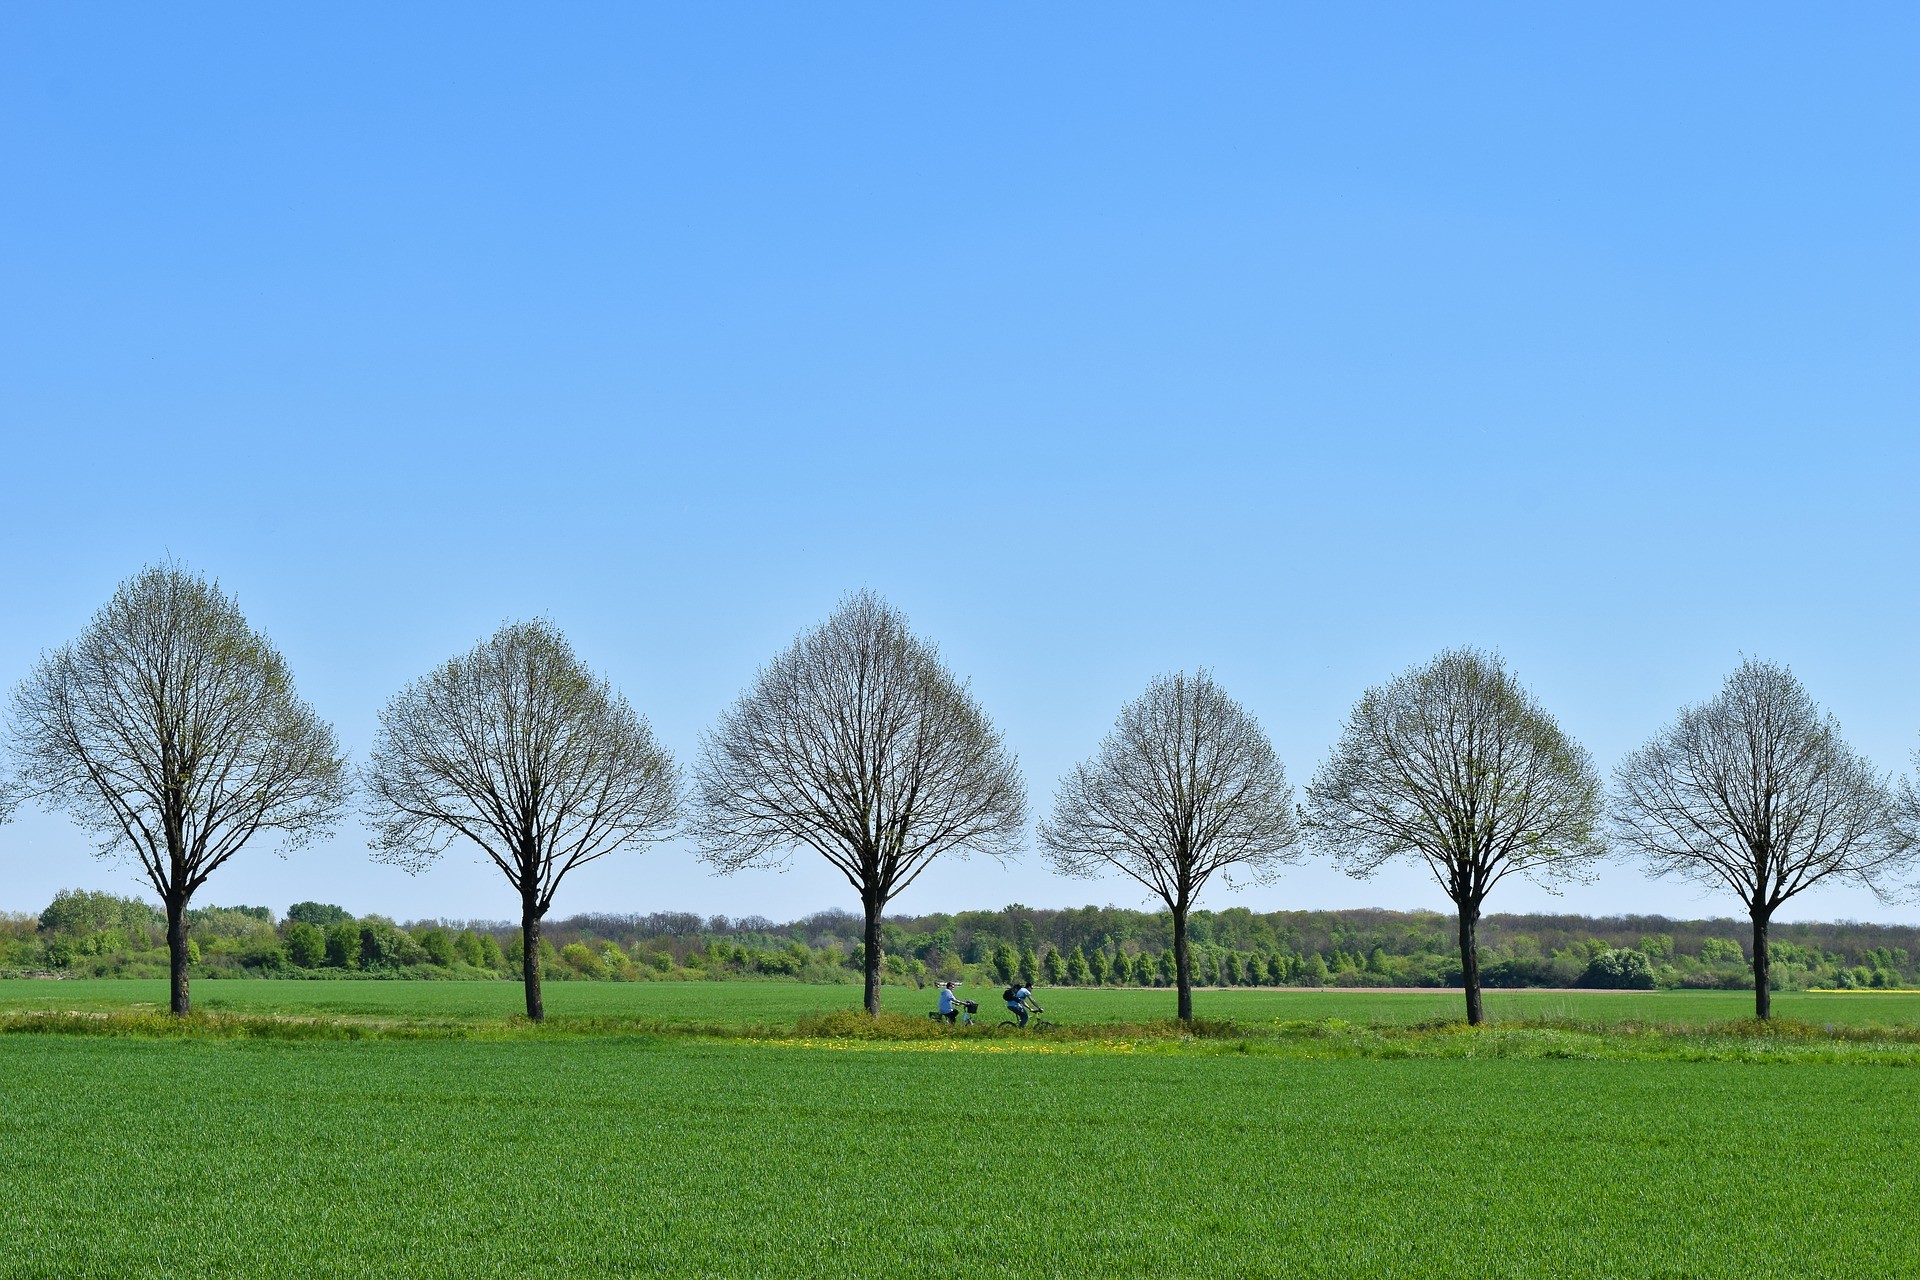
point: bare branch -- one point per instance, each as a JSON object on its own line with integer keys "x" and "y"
{"x": 170, "y": 728}
{"x": 1457, "y": 766}
{"x": 1755, "y": 791}
{"x": 859, "y": 744}
{"x": 516, "y": 747}
{"x": 1185, "y": 786}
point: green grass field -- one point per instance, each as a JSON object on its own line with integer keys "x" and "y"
{"x": 776, "y": 1003}
{"x": 599, "y": 1153}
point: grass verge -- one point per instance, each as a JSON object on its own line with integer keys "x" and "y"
{"x": 1741, "y": 1040}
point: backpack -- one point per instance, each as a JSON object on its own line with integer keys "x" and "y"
{"x": 1007, "y": 995}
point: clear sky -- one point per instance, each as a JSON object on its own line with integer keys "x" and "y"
{"x": 1104, "y": 340}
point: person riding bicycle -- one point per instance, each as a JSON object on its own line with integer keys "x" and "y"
{"x": 953, "y": 1008}
{"x": 1020, "y": 1000}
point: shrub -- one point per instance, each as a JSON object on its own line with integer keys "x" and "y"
{"x": 438, "y": 946}
{"x": 579, "y": 957}
{"x": 1529, "y": 971}
{"x": 1721, "y": 951}
{"x": 1619, "y": 969}
{"x": 1006, "y": 962}
{"x": 215, "y": 925}
{"x": 383, "y": 945}
{"x": 79, "y": 911}
{"x": 343, "y": 945}
{"x": 467, "y": 947}
{"x": 306, "y": 945}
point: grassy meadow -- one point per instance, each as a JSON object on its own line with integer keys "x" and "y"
{"x": 774, "y": 1004}
{"x": 610, "y": 1143}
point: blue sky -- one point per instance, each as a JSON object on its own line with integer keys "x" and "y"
{"x": 1298, "y": 342}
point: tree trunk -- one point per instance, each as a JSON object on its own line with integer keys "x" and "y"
{"x": 1762, "y": 962}
{"x": 530, "y": 961}
{"x": 872, "y": 965}
{"x": 1182, "y": 965}
{"x": 177, "y": 953}
{"x": 1470, "y": 961}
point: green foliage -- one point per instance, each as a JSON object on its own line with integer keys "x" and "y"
{"x": 306, "y": 945}
{"x": 384, "y": 945}
{"x": 263, "y": 914}
{"x": 1722, "y": 950}
{"x": 467, "y": 947}
{"x": 439, "y": 947}
{"x": 319, "y": 914}
{"x": 1358, "y": 948}
{"x": 1619, "y": 969}
{"x": 343, "y": 945}
{"x": 1006, "y": 962}
{"x": 74, "y": 912}
{"x": 580, "y": 958}
{"x": 211, "y": 924}
{"x": 1079, "y": 973}
{"x": 1053, "y": 970}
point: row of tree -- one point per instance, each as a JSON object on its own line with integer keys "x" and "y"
{"x": 103, "y": 935}
{"x": 172, "y": 729}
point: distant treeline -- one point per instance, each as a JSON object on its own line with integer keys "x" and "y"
{"x": 100, "y": 934}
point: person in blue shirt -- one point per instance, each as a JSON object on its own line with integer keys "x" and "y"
{"x": 948, "y": 1009}
{"x": 1020, "y": 1003}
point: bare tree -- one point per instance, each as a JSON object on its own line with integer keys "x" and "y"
{"x": 859, "y": 744}
{"x": 1755, "y": 791}
{"x": 1456, "y": 765}
{"x": 1184, "y": 786}
{"x": 518, "y": 748}
{"x": 171, "y": 728}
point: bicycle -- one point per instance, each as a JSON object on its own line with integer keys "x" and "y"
{"x": 962, "y": 1015}
{"x": 1034, "y": 1023}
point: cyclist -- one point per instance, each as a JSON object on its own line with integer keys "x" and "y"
{"x": 1020, "y": 1001}
{"x": 949, "y": 1009}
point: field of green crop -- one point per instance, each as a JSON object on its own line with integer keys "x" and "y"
{"x": 778, "y": 1003}
{"x": 597, "y": 1152}
{"x": 664, "y": 1156}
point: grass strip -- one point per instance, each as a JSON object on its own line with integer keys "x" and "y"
{"x": 1742, "y": 1040}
